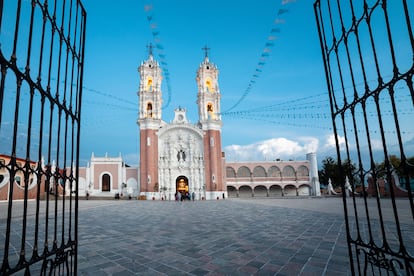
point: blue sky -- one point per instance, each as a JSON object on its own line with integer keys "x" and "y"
{"x": 274, "y": 99}
{"x": 117, "y": 36}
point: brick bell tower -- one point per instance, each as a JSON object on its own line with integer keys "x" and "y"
{"x": 208, "y": 101}
{"x": 149, "y": 121}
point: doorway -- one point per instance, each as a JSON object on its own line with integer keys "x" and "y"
{"x": 181, "y": 186}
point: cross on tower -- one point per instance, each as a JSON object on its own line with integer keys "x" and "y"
{"x": 205, "y": 48}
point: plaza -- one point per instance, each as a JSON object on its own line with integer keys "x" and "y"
{"x": 267, "y": 236}
{"x": 227, "y": 237}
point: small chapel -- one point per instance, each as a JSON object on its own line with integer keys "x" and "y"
{"x": 180, "y": 157}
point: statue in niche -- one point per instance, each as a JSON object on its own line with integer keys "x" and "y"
{"x": 181, "y": 155}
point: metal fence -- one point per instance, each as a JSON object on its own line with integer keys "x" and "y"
{"x": 368, "y": 50}
{"x": 41, "y": 56}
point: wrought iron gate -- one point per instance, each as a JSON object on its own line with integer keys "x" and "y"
{"x": 368, "y": 51}
{"x": 41, "y": 56}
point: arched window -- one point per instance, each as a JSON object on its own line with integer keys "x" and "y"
{"x": 106, "y": 183}
{"x": 274, "y": 171}
{"x": 149, "y": 84}
{"x": 209, "y": 86}
{"x": 230, "y": 172}
{"x": 303, "y": 171}
{"x": 243, "y": 172}
{"x": 259, "y": 171}
{"x": 210, "y": 111}
{"x": 149, "y": 110}
{"x": 288, "y": 171}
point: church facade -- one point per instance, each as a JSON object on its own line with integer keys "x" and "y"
{"x": 187, "y": 159}
{"x": 180, "y": 157}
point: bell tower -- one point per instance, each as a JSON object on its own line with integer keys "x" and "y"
{"x": 208, "y": 98}
{"x": 149, "y": 121}
{"x": 208, "y": 101}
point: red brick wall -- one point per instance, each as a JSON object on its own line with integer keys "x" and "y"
{"x": 213, "y": 161}
{"x": 148, "y": 159}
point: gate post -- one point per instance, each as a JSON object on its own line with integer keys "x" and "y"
{"x": 367, "y": 49}
{"x": 42, "y": 61}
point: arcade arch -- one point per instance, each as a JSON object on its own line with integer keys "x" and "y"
{"x": 259, "y": 171}
{"x": 231, "y": 191}
{"x": 304, "y": 190}
{"x": 260, "y": 191}
{"x": 302, "y": 171}
{"x": 275, "y": 190}
{"x": 230, "y": 172}
{"x": 274, "y": 171}
{"x": 245, "y": 191}
{"x": 289, "y": 190}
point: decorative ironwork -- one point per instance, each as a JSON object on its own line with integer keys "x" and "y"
{"x": 368, "y": 49}
{"x": 41, "y": 56}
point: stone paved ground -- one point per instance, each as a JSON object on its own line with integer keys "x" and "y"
{"x": 295, "y": 236}
{"x": 225, "y": 237}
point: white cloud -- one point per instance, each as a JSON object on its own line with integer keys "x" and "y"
{"x": 377, "y": 144}
{"x": 331, "y": 144}
{"x": 272, "y": 149}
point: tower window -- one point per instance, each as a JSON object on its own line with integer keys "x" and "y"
{"x": 209, "y": 86}
{"x": 210, "y": 111}
{"x": 149, "y": 84}
{"x": 149, "y": 110}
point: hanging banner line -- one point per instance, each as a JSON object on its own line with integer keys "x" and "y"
{"x": 160, "y": 49}
{"x": 123, "y": 100}
{"x": 318, "y": 105}
{"x": 313, "y": 123}
{"x": 268, "y": 46}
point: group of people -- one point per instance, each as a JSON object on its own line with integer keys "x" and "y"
{"x": 185, "y": 196}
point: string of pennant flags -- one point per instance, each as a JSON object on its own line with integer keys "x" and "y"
{"x": 156, "y": 35}
{"x": 290, "y": 113}
{"x": 269, "y": 44}
{"x": 315, "y": 125}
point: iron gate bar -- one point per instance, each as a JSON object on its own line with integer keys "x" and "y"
{"x": 58, "y": 112}
{"x": 338, "y": 41}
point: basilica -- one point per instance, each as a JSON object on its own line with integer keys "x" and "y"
{"x": 185, "y": 158}
{"x": 180, "y": 157}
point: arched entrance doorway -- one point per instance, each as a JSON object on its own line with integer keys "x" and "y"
{"x": 106, "y": 183}
{"x": 181, "y": 186}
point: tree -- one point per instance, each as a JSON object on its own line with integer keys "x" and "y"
{"x": 328, "y": 171}
{"x": 331, "y": 170}
{"x": 396, "y": 165}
